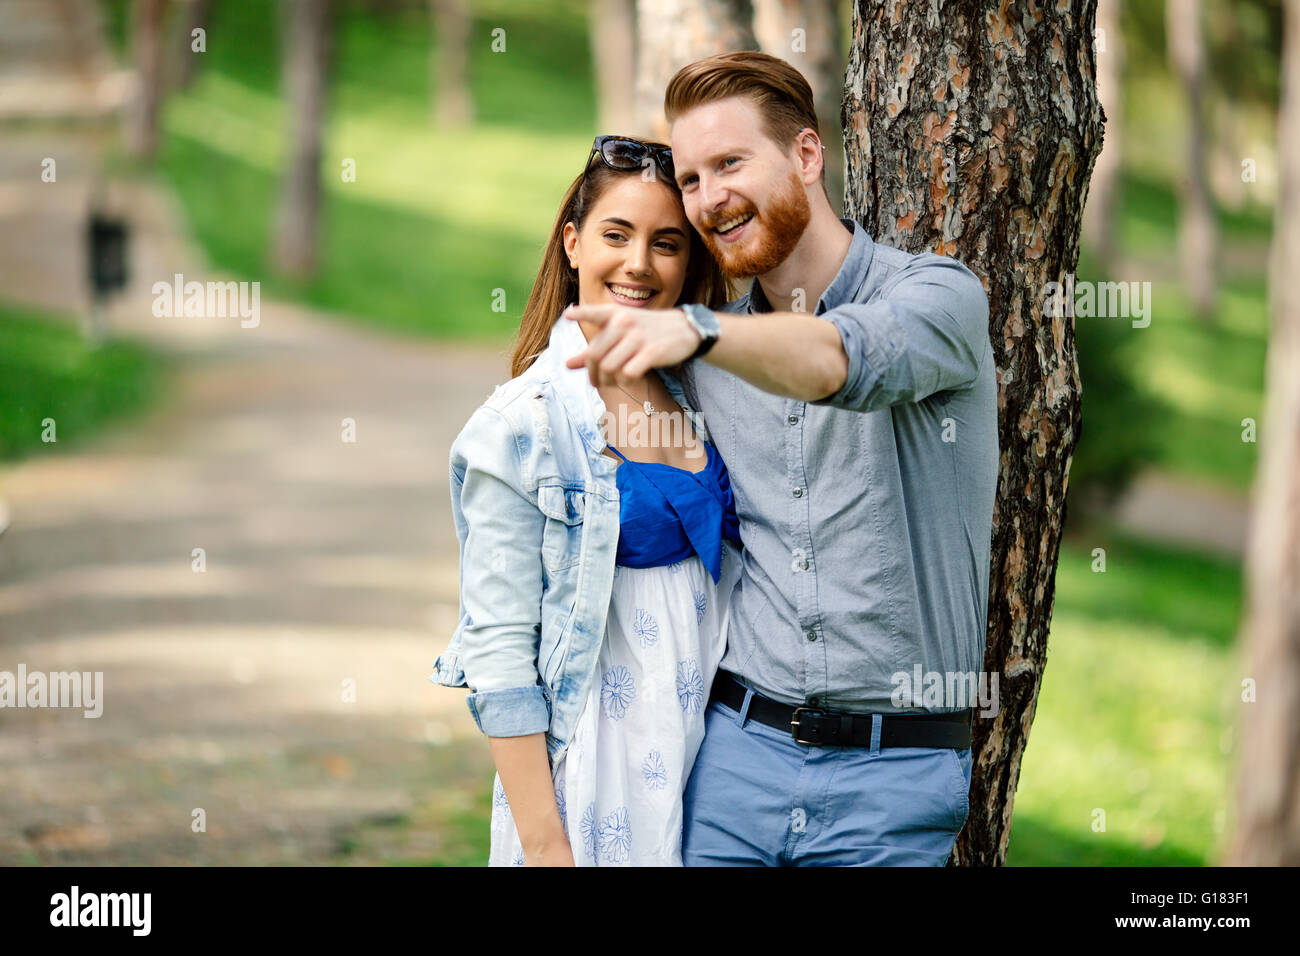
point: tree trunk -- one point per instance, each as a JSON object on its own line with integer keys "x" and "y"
{"x": 192, "y": 15}
{"x": 1196, "y": 229}
{"x": 306, "y": 42}
{"x": 452, "y": 105}
{"x": 672, "y": 33}
{"x": 147, "y": 51}
{"x": 971, "y": 132}
{"x": 1099, "y": 215}
{"x": 817, "y": 53}
{"x": 1268, "y": 825}
{"x": 613, "y": 53}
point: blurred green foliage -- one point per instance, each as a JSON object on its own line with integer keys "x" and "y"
{"x": 47, "y": 371}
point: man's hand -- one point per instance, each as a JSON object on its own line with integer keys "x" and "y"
{"x": 630, "y": 342}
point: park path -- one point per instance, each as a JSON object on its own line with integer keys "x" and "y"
{"x": 326, "y": 561}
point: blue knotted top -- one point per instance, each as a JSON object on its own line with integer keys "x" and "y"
{"x": 666, "y": 513}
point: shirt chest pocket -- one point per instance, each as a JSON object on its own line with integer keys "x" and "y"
{"x": 564, "y": 509}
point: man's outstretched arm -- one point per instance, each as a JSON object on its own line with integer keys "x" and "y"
{"x": 785, "y": 353}
{"x": 926, "y": 331}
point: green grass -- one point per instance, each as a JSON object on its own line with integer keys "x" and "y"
{"x": 47, "y": 372}
{"x": 1136, "y": 712}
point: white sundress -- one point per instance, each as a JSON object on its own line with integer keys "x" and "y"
{"x": 619, "y": 785}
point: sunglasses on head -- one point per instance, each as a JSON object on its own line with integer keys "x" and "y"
{"x": 625, "y": 153}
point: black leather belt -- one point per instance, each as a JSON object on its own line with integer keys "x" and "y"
{"x": 818, "y": 726}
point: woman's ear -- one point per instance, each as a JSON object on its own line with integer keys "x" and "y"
{"x": 571, "y": 244}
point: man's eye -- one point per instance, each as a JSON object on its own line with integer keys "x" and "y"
{"x": 730, "y": 159}
{"x": 688, "y": 181}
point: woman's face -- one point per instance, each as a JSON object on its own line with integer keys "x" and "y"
{"x": 633, "y": 248}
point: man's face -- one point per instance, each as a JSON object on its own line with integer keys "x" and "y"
{"x": 742, "y": 192}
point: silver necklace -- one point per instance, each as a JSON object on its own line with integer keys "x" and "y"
{"x": 647, "y": 405}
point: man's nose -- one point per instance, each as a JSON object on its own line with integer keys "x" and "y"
{"x": 713, "y": 195}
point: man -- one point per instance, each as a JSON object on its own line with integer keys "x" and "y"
{"x": 851, "y": 393}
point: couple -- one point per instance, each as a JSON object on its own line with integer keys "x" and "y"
{"x": 701, "y": 541}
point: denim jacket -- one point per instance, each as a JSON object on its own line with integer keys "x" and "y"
{"x": 536, "y": 510}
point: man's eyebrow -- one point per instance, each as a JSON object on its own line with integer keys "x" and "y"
{"x": 627, "y": 225}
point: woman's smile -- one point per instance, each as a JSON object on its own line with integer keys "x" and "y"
{"x": 631, "y": 293}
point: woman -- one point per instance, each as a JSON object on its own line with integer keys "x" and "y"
{"x": 594, "y": 579}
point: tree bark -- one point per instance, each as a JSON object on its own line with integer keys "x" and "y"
{"x": 817, "y": 53}
{"x": 672, "y": 33}
{"x": 452, "y": 105}
{"x": 191, "y": 15}
{"x": 1099, "y": 216}
{"x": 1196, "y": 227}
{"x": 147, "y": 51}
{"x": 972, "y": 129}
{"x": 613, "y": 54}
{"x": 306, "y": 55}
{"x": 1268, "y": 825}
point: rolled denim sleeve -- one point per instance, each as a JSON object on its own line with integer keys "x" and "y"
{"x": 925, "y": 332}
{"x": 500, "y": 580}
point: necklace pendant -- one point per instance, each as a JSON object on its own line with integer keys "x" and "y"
{"x": 649, "y": 409}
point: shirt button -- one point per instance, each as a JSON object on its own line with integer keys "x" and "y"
{"x": 798, "y": 492}
{"x": 793, "y": 419}
{"x": 812, "y": 635}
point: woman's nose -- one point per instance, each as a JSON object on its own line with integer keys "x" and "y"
{"x": 638, "y": 259}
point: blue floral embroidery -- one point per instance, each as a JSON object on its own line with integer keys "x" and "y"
{"x": 675, "y": 567}
{"x": 559, "y": 802}
{"x": 499, "y": 796}
{"x": 652, "y": 768}
{"x": 701, "y": 604}
{"x": 519, "y": 858}
{"x": 588, "y": 828}
{"x": 616, "y": 836}
{"x": 617, "y": 691}
{"x": 690, "y": 686}
{"x": 645, "y": 627}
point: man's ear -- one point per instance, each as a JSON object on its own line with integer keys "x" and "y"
{"x": 811, "y": 156}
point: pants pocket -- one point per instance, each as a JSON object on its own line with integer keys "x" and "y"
{"x": 960, "y": 761}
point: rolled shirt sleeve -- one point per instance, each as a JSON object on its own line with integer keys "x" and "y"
{"x": 925, "y": 332}
{"x": 501, "y": 580}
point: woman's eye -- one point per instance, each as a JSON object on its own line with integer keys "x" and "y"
{"x": 729, "y": 160}
{"x": 667, "y": 246}
{"x": 614, "y": 235}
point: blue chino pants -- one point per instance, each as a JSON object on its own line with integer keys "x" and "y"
{"x": 756, "y": 797}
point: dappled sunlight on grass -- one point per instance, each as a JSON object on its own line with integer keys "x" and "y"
{"x": 1136, "y": 713}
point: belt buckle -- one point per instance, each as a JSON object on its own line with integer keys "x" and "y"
{"x": 794, "y": 723}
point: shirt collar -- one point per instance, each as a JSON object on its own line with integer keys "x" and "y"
{"x": 580, "y": 398}
{"x": 847, "y": 282}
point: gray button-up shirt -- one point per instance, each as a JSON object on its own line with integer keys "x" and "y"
{"x": 866, "y": 516}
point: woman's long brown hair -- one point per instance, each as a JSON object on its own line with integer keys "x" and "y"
{"x": 557, "y": 282}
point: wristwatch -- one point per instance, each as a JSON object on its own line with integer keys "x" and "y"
{"x": 704, "y": 321}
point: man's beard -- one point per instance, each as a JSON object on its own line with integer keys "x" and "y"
{"x": 779, "y": 230}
